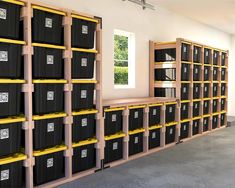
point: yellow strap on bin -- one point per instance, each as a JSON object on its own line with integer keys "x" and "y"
{"x": 185, "y": 120}
{"x": 14, "y": 2}
{"x": 171, "y": 103}
{"x": 224, "y": 66}
{"x": 205, "y": 116}
{"x": 115, "y": 136}
{"x": 224, "y": 82}
{"x": 223, "y": 112}
{"x": 9, "y": 81}
{"x": 171, "y": 124}
{"x": 215, "y": 82}
{"x": 185, "y": 101}
{"x": 216, "y": 66}
{"x": 206, "y": 99}
{"x": 48, "y": 10}
{"x": 215, "y": 114}
{"x": 207, "y": 65}
{"x": 84, "y": 81}
{"x": 49, "y": 46}
{"x": 14, "y": 158}
{"x": 197, "y": 82}
{"x": 137, "y": 106}
{"x": 11, "y": 41}
{"x": 12, "y": 120}
{"x": 136, "y": 131}
{"x": 185, "y": 82}
{"x": 49, "y": 81}
{"x": 85, "y": 142}
{"x": 215, "y": 98}
{"x": 196, "y": 118}
{"x": 49, "y": 150}
{"x": 197, "y": 63}
{"x": 207, "y": 82}
{"x": 84, "y": 18}
{"x": 186, "y": 62}
{"x": 114, "y": 109}
{"x": 223, "y": 97}
{"x": 154, "y": 105}
{"x": 85, "y": 50}
{"x": 49, "y": 116}
{"x": 155, "y": 127}
{"x": 196, "y": 100}
{"x": 85, "y": 112}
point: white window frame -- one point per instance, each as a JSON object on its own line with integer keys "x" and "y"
{"x": 131, "y": 59}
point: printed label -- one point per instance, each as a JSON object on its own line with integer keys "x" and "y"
{"x": 196, "y": 71}
{"x": 84, "y": 29}
{"x": 196, "y": 105}
{"x": 184, "y": 90}
{"x": 48, "y": 23}
{"x": 205, "y": 89}
{"x": 184, "y": 107}
{"x": 215, "y": 103}
{"x": 185, "y": 70}
{"x": 171, "y": 131}
{"x": 3, "y": 14}
{"x": 114, "y": 117}
{"x": 5, "y": 175}
{"x": 222, "y": 117}
{"x": 205, "y": 121}
{"x": 115, "y": 145}
{"x": 50, "y": 95}
{"x": 222, "y": 101}
{"x": 50, "y": 162}
{"x": 207, "y": 53}
{"x": 206, "y": 104}
{"x": 4, "y": 97}
{"x": 206, "y": 71}
{"x": 215, "y": 88}
{"x": 4, "y": 56}
{"x": 136, "y": 140}
{"x": 185, "y": 127}
{"x": 50, "y": 59}
{"x": 50, "y": 127}
{"x": 215, "y": 72}
{"x": 4, "y": 134}
{"x": 196, "y": 52}
{"x": 215, "y": 55}
{"x": 195, "y": 124}
{"x": 84, "y": 153}
{"x": 136, "y": 115}
{"x": 154, "y": 112}
{"x": 185, "y": 49}
{"x": 223, "y": 73}
{"x": 84, "y": 122}
{"x": 197, "y": 89}
{"x": 153, "y": 135}
{"x": 170, "y": 109}
{"x": 215, "y": 120}
{"x": 84, "y": 62}
{"x": 83, "y": 94}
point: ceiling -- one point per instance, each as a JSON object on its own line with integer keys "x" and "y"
{"x": 216, "y": 13}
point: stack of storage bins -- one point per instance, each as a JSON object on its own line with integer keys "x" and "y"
{"x": 48, "y": 96}
{"x": 83, "y": 93}
{"x": 11, "y": 108}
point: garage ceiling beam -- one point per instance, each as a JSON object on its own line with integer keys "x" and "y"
{"x": 142, "y": 3}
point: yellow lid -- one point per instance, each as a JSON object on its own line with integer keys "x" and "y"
{"x": 85, "y": 18}
{"x": 49, "y": 150}
{"x": 136, "y": 131}
{"x": 48, "y": 10}
{"x": 155, "y": 127}
{"x": 9, "y": 81}
{"x": 114, "y": 109}
{"x": 14, "y": 158}
{"x": 171, "y": 124}
{"x": 196, "y": 118}
{"x": 14, "y": 2}
{"x": 115, "y": 136}
{"x": 49, "y": 116}
{"x": 137, "y": 106}
{"x": 85, "y": 142}
{"x": 12, "y": 120}
{"x": 157, "y": 104}
{"x": 85, "y": 112}
{"x": 85, "y": 50}
{"x": 84, "y": 81}
{"x": 49, "y": 46}
{"x": 11, "y": 41}
{"x": 49, "y": 81}
{"x": 185, "y": 120}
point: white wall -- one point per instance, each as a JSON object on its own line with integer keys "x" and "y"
{"x": 160, "y": 25}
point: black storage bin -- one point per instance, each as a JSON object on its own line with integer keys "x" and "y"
{"x": 113, "y": 150}
{"x": 185, "y": 52}
{"x": 215, "y": 89}
{"x": 196, "y": 72}
{"x": 83, "y": 65}
{"x": 196, "y": 90}
{"x": 206, "y": 106}
{"x": 113, "y": 122}
{"x": 185, "y": 91}
{"x": 47, "y": 27}
{"x": 223, "y": 58}
{"x": 11, "y": 60}
{"x": 154, "y": 138}
{"x": 215, "y": 105}
{"x": 197, "y": 54}
{"x": 207, "y": 73}
{"x": 10, "y": 20}
{"x": 196, "y": 108}
{"x": 170, "y": 134}
{"x": 165, "y": 74}
{"x": 11, "y": 174}
{"x": 165, "y": 92}
{"x": 223, "y": 74}
{"x": 10, "y": 138}
{"x": 84, "y": 127}
{"x": 207, "y": 56}
{"x": 165, "y": 55}
{"x": 215, "y": 73}
{"x": 48, "y": 133}
{"x": 223, "y": 89}
{"x": 135, "y": 143}
{"x": 136, "y": 119}
{"x": 48, "y": 167}
{"x": 84, "y": 158}
{"x": 83, "y": 96}
{"x": 206, "y": 121}
{"x": 206, "y": 90}
{"x": 223, "y": 102}
{"x": 215, "y": 57}
{"x": 184, "y": 130}
{"x": 154, "y": 115}
{"x": 10, "y": 99}
{"x": 185, "y": 72}
{"x": 48, "y": 63}
{"x": 83, "y": 33}
{"x": 184, "y": 111}
{"x": 222, "y": 119}
{"x": 48, "y": 98}
{"x": 170, "y": 113}
{"x": 215, "y": 121}
{"x": 196, "y": 125}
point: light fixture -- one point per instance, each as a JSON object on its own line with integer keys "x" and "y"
{"x": 142, "y": 3}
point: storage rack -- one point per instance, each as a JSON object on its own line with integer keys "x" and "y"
{"x": 191, "y": 59}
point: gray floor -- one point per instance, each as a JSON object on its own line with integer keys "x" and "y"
{"x": 206, "y": 162}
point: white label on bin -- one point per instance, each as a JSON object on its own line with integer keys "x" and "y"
{"x": 215, "y": 72}
{"x": 197, "y": 89}
{"x": 206, "y": 71}
{"x": 206, "y": 104}
{"x": 184, "y": 90}
{"x": 185, "y": 70}
{"x": 4, "y": 56}
{"x": 48, "y": 23}
{"x": 170, "y": 109}
{"x": 136, "y": 140}
{"x": 114, "y": 117}
{"x": 171, "y": 131}
{"x": 215, "y": 55}
{"x": 205, "y": 121}
{"x": 84, "y": 153}
{"x": 215, "y": 88}
{"x": 115, "y": 145}
{"x": 50, "y": 162}
{"x": 196, "y": 105}
{"x": 223, "y": 73}
{"x": 4, "y": 97}
{"x": 195, "y": 124}
{"x": 185, "y": 127}
{"x": 222, "y": 118}
{"x": 215, "y": 119}
{"x": 5, "y": 175}
{"x": 196, "y": 71}
{"x": 50, "y": 95}
{"x": 205, "y": 89}
{"x": 83, "y": 94}
{"x": 153, "y": 135}
{"x": 4, "y": 134}
{"x": 136, "y": 115}
{"x": 84, "y": 29}
{"x": 184, "y": 107}
{"x": 196, "y": 52}
{"x": 3, "y": 14}
{"x": 50, "y": 127}
{"x": 154, "y": 112}
{"x": 50, "y": 59}
{"x": 84, "y": 62}
{"x": 84, "y": 122}
{"x": 185, "y": 49}
{"x": 207, "y": 53}
{"x": 214, "y": 103}
{"x": 222, "y": 101}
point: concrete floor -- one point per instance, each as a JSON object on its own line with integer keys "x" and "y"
{"x": 205, "y": 162}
